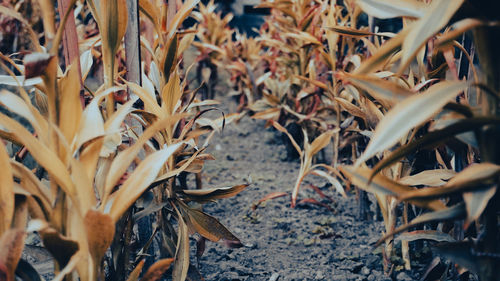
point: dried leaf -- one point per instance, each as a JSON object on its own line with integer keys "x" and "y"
{"x": 429, "y": 178}
{"x": 292, "y": 140}
{"x": 181, "y": 264}
{"x": 171, "y": 94}
{"x": 434, "y": 138}
{"x": 476, "y": 202}
{"x": 100, "y": 233}
{"x": 35, "y": 64}
{"x": 425, "y": 234}
{"x": 381, "y": 185}
{"x": 436, "y": 17}
{"x": 449, "y": 213}
{"x": 139, "y": 181}
{"x": 384, "y": 9}
{"x": 473, "y": 177}
{"x": 408, "y": 114}
{"x": 61, "y": 247}
{"x": 379, "y": 89}
{"x": 320, "y": 142}
{"x": 42, "y": 154}
{"x": 6, "y": 191}
{"x": 11, "y": 248}
{"x": 19, "y": 81}
{"x": 214, "y": 193}
{"x": 134, "y": 275}
{"x": 70, "y": 105}
{"x": 207, "y": 226}
{"x": 156, "y": 270}
{"x": 335, "y": 183}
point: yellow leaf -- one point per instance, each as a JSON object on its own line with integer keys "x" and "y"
{"x": 139, "y": 181}
{"x": 320, "y": 142}
{"x": 70, "y": 105}
{"x": 6, "y": 191}
{"x": 42, "y": 154}
{"x": 171, "y": 94}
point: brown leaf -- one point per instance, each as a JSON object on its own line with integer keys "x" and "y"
{"x": 35, "y": 64}
{"x": 270, "y": 196}
{"x": 11, "y": 248}
{"x": 476, "y": 201}
{"x": 61, "y": 248}
{"x": 100, "y": 232}
{"x": 214, "y": 193}
{"x": 207, "y": 226}
{"x": 382, "y": 185}
{"x": 157, "y": 269}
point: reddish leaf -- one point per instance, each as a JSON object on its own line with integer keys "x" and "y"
{"x": 35, "y": 64}
{"x": 270, "y": 196}
{"x": 315, "y": 202}
{"x": 321, "y": 194}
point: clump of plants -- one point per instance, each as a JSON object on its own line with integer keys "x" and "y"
{"x": 412, "y": 121}
{"x": 104, "y": 165}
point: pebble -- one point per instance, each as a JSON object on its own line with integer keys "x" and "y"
{"x": 365, "y": 270}
{"x": 402, "y": 276}
{"x": 319, "y": 276}
{"x": 274, "y": 277}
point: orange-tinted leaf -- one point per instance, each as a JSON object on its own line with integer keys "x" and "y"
{"x": 11, "y": 248}
{"x": 139, "y": 181}
{"x": 156, "y": 270}
{"x": 320, "y": 142}
{"x": 270, "y": 196}
{"x": 6, "y": 191}
{"x": 70, "y": 105}
{"x": 100, "y": 233}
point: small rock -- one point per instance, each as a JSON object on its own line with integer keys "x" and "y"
{"x": 319, "y": 276}
{"x": 365, "y": 271}
{"x": 229, "y": 158}
{"x": 274, "y": 277}
{"x": 402, "y": 276}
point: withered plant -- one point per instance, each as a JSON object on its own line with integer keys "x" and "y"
{"x": 94, "y": 164}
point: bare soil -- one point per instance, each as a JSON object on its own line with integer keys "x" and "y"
{"x": 308, "y": 242}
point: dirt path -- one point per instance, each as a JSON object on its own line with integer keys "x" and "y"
{"x": 308, "y": 242}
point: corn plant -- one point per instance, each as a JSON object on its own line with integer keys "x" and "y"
{"x": 80, "y": 197}
{"x": 213, "y": 33}
{"x": 412, "y": 123}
